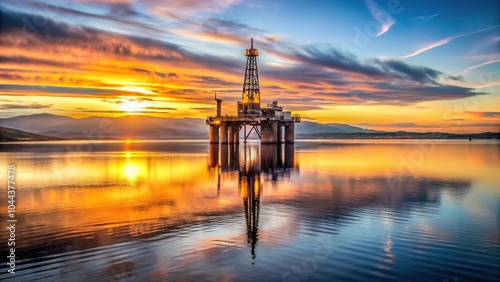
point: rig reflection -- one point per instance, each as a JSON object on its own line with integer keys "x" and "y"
{"x": 254, "y": 163}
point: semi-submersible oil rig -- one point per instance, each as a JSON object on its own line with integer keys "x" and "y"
{"x": 270, "y": 123}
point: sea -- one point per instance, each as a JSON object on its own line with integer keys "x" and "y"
{"x": 316, "y": 210}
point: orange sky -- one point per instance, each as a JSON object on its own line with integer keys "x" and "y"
{"x": 79, "y": 60}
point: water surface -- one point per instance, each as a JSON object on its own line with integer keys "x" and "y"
{"x": 317, "y": 210}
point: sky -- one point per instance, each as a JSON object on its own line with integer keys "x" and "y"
{"x": 385, "y": 65}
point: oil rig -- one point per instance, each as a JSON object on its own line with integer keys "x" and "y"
{"x": 270, "y": 123}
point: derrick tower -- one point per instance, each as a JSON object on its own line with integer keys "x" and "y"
{"x": 250, "y": 97}
{"x": 271, "y": 124}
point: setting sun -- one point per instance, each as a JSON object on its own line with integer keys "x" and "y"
{"x": 132, "y": 106}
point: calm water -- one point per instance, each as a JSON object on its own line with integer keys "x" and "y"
{"x": 331, "y": 211}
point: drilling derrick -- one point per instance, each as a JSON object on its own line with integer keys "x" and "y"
{"x": 250, "y": 97}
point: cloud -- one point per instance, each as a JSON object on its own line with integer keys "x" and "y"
{"x": 479, "y": 124}
{"x": 119, "y": 13}
{"x": 63, "y": 37}
{"x": 428, "y": 47}
{"x": 423, "y": 18}
{"x": 161, "y": 108}
{"x": 480, "y": 65}
{"x": 487, "y": 85}
{"x": 123, "y": 10}
{"x": 110, "y": 54}
{"x": 19, "y": 106}
{"x": 62, "y": 91}
{"x": 163, "y": 69}
{"x": 231, "y": 25}
{"x": 155, "y": 73}
{"x": 226, "y": 31}
{"x": 329, "y": 76}
{"x": 10, "y": 76}
{"x": 378, "y": 68}
{"x": 24, "y": 60}
{"x": 444, "y": 41}
{"x": 381, "y": 16}
{"x": 394, "y": 94}
{"x": 484, "y": 114}
{"x": 85, "y": 110}
{"x": 190, "y": 7}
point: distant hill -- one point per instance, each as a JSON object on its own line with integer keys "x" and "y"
{"x": 147, "y": 127}
{"x": 402, "y": 135}
{"x": 33, "y": 123}
{"x": 10, "y": 134}
{"x": 140, "y": 127}
{"x": 308, "y": 127}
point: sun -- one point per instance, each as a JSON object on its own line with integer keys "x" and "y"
{"x": 132, "y": 106}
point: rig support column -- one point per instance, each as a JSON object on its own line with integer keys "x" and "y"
{"x": 223, "y": 132}
{"x": 290, "y": 133}
{"x": 230, "y": 134}
{"x": 280, "y": 134}
{"x": 236, "y": 134}
{"x": 214, "y": 134}
{"x": 269, "y": 130}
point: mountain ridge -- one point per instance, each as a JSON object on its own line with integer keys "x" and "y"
{"x": 54, "y": 127}
{"x": 10, "y": 134}
{"x": 140, "y": 126}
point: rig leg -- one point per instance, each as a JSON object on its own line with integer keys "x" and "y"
{"x": 244, "y": 133}
{"x": 230, "y": 134}
{"x": 290, "y": 133}
{"x": 214, "y": 134}
{"x": 224, "y": 132}
{"x": 236, "y": 134}
{"x": 280, "y": 134}
{"x": 269, "y": 129}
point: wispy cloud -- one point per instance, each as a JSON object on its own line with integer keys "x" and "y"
{"x": 382, "y": 17}
{"x": 445, "y": 41}
{"x": 24, "y": 106}
{"x": 487, "y": 85}
{"x": 480, "y": 65}
{"x": 484, "y": 114}
{"x": 423, "y": 18}
{"x": 385, "y": 27}
{"x": 429, "y": 47}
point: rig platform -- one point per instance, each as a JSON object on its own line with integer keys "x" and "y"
{"x": 272, "y": 124}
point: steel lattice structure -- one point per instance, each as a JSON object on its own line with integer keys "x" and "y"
{"x": 251, "y": 92}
